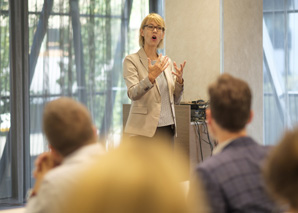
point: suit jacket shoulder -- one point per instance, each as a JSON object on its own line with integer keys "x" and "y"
{"x": 233, "y": 180}
{"x": 240, "y": 148}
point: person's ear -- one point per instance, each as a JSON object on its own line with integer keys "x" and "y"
{"x": 53, "y": 150}
{"x": 94, "y": 131}
{"x": 208, "y": 116}
{"x": 56, "y": 156}
{"x": 211, "y": 123}
{"x": 251, "y": 115}
{"x": 163, "y": 35}
{"x": 142, "y": 32}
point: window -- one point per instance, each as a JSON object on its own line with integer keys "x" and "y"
{"x": 280, "y": 45}
{"x": 5, "y": 150}
{"x": 76, "y": 49}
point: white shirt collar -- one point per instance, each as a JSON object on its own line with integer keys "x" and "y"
{"x": 85, "y": 152}
{"x": 221, "y": 146}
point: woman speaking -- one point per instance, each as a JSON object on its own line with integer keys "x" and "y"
{"x": 154, "y": 84}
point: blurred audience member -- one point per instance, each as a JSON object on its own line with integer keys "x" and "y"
{"x": 73, "y": 143}
{"x": 134, "y": 178}
{"x": 232, "y": 176}
{"x": 281, "y": 170}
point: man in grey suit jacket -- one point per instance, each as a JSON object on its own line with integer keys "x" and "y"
{"x": 232, "y": 177}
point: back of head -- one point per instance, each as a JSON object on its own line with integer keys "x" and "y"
{"x": 133, "y": 178}
{"x": 230, "y": 102}
{"x": 281, "y": 170}
{"x": 67, "y": 125}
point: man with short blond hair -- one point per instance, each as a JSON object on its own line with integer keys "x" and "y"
{"x": 73, "y": 144}
{"x": 232, "y": 176}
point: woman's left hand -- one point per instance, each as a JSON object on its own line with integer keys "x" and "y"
{"x": 179, "y": 72}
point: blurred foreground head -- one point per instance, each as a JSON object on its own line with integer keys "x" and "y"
{"x": 133, "y": 178}
{"x": 281, "y": 170}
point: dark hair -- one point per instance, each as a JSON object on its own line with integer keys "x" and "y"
{"x": 230, "y": 102}
{"x": 67, "y": 125}
{"x": 281, "y": 169}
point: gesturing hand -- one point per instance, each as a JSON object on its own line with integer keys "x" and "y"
{"x": 160, "y": 65}
{"x": 179, "y": 72}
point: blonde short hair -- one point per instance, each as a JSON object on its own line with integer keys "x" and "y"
{"x": 151, "y": 17}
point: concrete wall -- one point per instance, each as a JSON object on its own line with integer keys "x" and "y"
{"x": 243, "y": 52}
{"x": 193, "y": 33}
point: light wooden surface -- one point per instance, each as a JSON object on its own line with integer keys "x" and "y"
{"x": 16, "y": 210}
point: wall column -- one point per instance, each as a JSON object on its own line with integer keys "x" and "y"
{"x": 214, "y": 36}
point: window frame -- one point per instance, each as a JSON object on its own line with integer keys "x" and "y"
{"x": 18, "y": 139}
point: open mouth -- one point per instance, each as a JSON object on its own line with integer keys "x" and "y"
{"x": 154, "y": 37}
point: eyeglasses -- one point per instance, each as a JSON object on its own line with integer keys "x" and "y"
{"x": 158, "y": 28}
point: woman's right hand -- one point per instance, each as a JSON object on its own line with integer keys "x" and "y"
{"x": 155, "y": 70}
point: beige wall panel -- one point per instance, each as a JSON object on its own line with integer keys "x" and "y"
{"x": 193, "y": 34}
{"x": 243, "y": 52}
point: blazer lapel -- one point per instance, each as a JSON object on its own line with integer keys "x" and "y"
{"x": 143, "y": 58}
{"x": 169, "y": 78}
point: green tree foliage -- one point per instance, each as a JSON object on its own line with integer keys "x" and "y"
{"x": 4, "y": 58}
